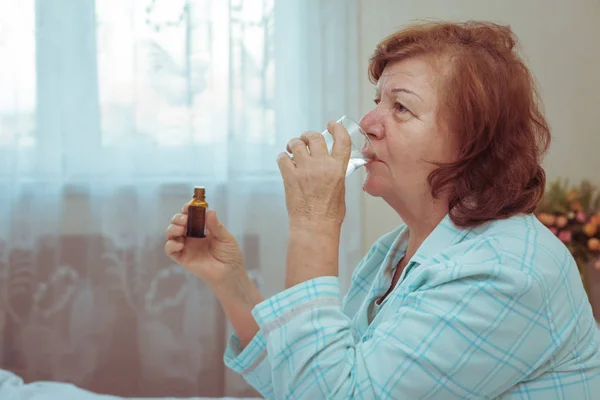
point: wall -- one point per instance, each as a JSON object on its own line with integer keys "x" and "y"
{"x": 559, "y": 40}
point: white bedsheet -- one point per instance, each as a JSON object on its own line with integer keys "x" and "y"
{"x": 13, "y": 388}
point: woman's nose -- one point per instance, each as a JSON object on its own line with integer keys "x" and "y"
{"x": 372, "y": 125}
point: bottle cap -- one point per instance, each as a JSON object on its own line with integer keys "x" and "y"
{"x": 199, "y": 191}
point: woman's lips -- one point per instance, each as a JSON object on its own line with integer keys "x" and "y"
{"x": 373, "y": 161}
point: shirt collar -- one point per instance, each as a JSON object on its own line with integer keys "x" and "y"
{"x": 445, "y": 234}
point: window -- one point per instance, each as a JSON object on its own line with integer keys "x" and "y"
{"x": 17, "y": 74}
{"x": 144, "y": 88}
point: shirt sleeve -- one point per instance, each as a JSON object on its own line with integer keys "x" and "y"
{"x": 251, "y": 363}
{"x": 471, "y": 336}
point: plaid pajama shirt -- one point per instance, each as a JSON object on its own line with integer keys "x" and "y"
{"x": 496, "y": 311}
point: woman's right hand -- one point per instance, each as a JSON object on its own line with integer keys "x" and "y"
{"x": 215, "y": 258}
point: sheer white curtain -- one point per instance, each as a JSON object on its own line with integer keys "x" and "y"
{"x": 110, "y": 112}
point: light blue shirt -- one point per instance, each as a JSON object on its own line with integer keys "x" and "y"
{"x": 497, "y": 311}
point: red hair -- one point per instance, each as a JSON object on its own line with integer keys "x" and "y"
{"x": 489, "y": 100}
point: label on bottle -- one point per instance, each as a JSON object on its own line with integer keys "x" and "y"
{"x": 196, "y": 222}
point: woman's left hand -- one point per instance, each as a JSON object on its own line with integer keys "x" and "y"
{"x": 315, "y": 181}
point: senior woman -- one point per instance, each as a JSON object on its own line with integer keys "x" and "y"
{"x": 471, "y": 298}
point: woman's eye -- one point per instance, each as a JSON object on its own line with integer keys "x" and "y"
{"x": 400, "y": 108}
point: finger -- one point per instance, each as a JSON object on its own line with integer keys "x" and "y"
{"x": 173, "y": 247}
{"x": 316, "y": 143}
{"x": 286, "y": 165}
{"x": 179, "y": 219}
{"x": 180, "y": 239}
{"x": 216, "y": 228}
{"x": 298, "y": 148}
{"x": 342, "y": 143}
{"x": 174, "y": 231}
{"x": 184, "y": 210}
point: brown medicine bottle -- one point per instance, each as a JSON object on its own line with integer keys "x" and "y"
{"x": 197, "y": 214}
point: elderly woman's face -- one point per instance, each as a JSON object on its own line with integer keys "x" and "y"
{"x": 404, "y": 130}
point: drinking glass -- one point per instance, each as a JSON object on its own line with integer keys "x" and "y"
{"x": 360, "y": 142}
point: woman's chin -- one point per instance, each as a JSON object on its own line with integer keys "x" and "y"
{"x": 372, "y": 185}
